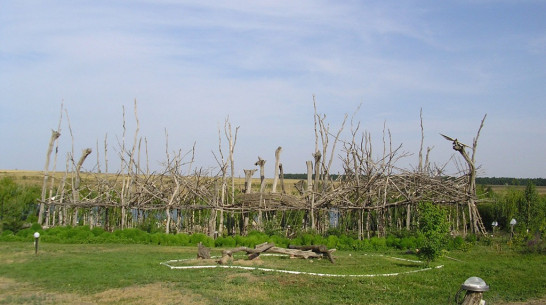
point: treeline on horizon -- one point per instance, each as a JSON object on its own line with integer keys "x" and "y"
{"x": 479, "y": 180}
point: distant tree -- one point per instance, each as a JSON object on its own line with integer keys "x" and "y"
{"x": 509, "y": 207}
{"x": 531, "y": 208}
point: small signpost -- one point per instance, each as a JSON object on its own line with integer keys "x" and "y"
{"x": 36, "y": 240}
{"x": 512, "y": 224}
{"x": 494, "y": 224}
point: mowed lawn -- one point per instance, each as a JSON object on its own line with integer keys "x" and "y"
{"x": 133, "y": 274}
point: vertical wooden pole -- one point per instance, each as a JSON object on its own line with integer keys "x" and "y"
{"x": 276, "y": 176}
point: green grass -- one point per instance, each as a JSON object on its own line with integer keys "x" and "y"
{"x": 87, "y": 270}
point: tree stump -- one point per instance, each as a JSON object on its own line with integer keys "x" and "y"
{"x": 203, "y": 252}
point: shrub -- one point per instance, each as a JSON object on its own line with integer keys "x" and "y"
{"x": 279, "y": 241}
{"x": 408, "y": 243}
{"x": 182, "y": 239}
{"x": 535, "y": 244}
{"x": 7, "y": 232}
{"x": 471, "y": 238}
{"x": 332, "y": 241}
{"x": 434, "y": 229}
{"x": 18, "y": 204}
{"x": 307, "y": 239}
{"x": 97, "y": 231}
{"x": 393, "y": 242}
{"x": 378, "y": 243}
{"x": 456, "y": 243}
{"x": 227, "y": 241}
{"x": 345, "y": 243}
{"x": 197, "y": 238}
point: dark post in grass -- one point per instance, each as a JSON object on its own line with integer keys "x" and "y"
{"x": 512, "y": 224}
{"x": 36, "y": 239}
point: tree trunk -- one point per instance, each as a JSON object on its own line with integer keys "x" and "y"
{"x": 472, "y": 298}
{"x": 54, "y": 136}
{"x": 408, "y": 217}
{"x": 317, "y": 156}
{"x": 309, "y": 175}
{"x": 281, "y": 172}
{"x": 261, "y": 164}
{"x": 276, "y": 176}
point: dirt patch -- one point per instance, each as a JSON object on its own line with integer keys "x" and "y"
{"x": 249, "y": 277}
{"x": 541, "y": 301}
{"x": 13, "y": 292}
{"x": 157, "y": 293}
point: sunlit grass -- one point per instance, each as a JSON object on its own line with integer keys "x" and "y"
{"x": 90, "y": 269}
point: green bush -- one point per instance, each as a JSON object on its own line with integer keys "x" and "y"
{"x": 10, "y": 237}
{"x": 434, "y": 229}
{"x": 17, "y": 204}
{"x": 535, "y": 244}
{"x": 25, "y": 233}
{"x": 197, "y": 238}
{"x": 227, "y": 241}
{"x": 331, "y": 241}
{"x": 97, "y": 231}
{"x": 378, "y": 243}
{"x": 471, "y": 238}
{"x": 393, "y": 242}
{"x": 182, "y": 239}
{"x": 7, "y": 232}
{"x": 279, "y": 241}
{"x": 346, "y": 243}
{"x": 307, "y": 239}
{"x": 456, "y": 243}
{"x": 408, "y": 243}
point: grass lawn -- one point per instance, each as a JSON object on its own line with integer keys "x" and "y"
{"x": 128, "y": 274}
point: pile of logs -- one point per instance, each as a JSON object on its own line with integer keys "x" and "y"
{"x": 315, "y": 251}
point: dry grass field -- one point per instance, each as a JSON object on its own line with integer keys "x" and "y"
{"x": 36, "y": 178}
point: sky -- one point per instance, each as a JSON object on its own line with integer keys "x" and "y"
{"x": 191, "y": 65}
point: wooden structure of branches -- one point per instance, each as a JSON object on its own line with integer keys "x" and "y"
{"x": 370, "y": 197}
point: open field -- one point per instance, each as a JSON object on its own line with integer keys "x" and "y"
{"x": 503, "y": 188}
{"x": 36, "y": 178}
{"x": 128, "y": 274}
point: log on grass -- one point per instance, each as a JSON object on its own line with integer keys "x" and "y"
{"x": 227, "y": 255}
{"x": 319, "y": 249}
{"x": 295, "y": 252}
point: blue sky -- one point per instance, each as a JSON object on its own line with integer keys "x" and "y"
{"x": 191, "y": 64}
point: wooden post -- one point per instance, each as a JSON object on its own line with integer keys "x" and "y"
{"x": 54, "y": 136}
{"x": 248, "y": 180}
{"x": 472, "y": 298}
{"x": 248, "y": 190}
{"x": 261, "y": 164}
{"x": 309, "y": 175}
{"x": 281, "y": 172}
{"x": 276, "y": 176}
{"x": 317, "y": 156}
{"x": 76, "y": 188}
